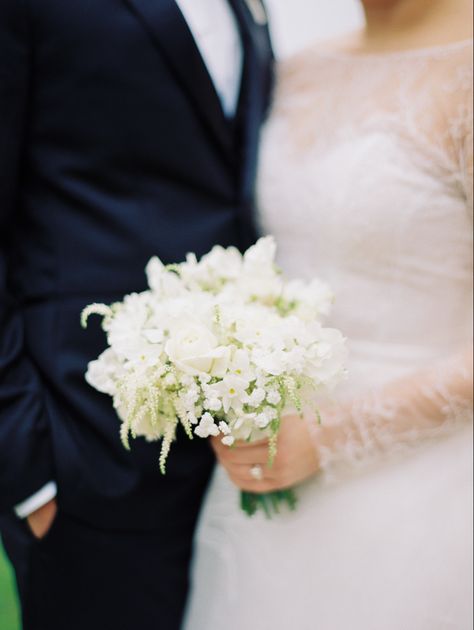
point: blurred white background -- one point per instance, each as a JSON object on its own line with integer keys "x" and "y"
{"x": 297, "y": 23}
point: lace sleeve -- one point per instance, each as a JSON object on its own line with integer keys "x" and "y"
{"x": 396, "y": 417}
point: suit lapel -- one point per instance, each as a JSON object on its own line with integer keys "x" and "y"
{"x": 170, "y": 33}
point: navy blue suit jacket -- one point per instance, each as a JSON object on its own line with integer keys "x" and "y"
{"x": 113, "y": 148}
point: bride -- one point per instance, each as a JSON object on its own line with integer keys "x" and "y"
{"x": 365, "y": 181}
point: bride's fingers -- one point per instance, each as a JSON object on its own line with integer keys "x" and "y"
{"x": 248, "y": 457}
{"x": 218, "y": 446}
{"x": 258, "y": 444}
{"x": 244, "y": 473}
{"x": 241, "y": 451}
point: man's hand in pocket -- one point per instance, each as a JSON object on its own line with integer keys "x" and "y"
{"x": 41, "y": 521}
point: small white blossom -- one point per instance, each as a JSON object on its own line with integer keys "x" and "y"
{"x": 207, "y": 427}
{"x": 263, "y": 419}
{"x": 273, "y": 397}
{"x": 224, "y": 428}
{"x": 240, "y": 365}
{"x": 170, "y": 380}
{"x": 190, "y": 397}
{"x": 192, "y": 418}
{"x": 257, "y": 397}
{"x": 104, "y": 373}
{"x": 213, "y": 404}
{"x": 231, "y": 390}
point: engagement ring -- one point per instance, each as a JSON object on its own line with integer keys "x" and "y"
{"x": 257, "y": 472}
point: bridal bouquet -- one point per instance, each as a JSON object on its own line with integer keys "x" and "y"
{"x": 224, "y": 346}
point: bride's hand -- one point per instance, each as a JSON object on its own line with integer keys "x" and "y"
{"x": 295, "y": 462}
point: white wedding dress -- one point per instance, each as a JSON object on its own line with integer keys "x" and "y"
{"x": 365, "y": 181}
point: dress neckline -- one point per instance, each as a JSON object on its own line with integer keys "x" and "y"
{"x": 427, "y": 51}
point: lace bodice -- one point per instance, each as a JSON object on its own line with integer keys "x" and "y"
{"x": 366, "y": 181}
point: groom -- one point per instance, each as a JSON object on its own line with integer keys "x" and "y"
{"x": 128, "y": 128}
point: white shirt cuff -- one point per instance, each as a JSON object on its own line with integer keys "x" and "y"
{"x": 37, "y": 501}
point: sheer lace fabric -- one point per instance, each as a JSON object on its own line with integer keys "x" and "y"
{"x": 421, "y": 98}
{"x": 384, "y": 144}
{"x": 394, "y": 419}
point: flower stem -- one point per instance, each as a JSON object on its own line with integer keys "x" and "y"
{"x": 269, "y": 503}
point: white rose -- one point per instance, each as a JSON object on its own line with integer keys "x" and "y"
{"x": 195, "y": 350}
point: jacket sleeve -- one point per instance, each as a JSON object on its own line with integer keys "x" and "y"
{"x": 25, "y": 449}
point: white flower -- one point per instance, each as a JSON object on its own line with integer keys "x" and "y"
{"x": 273, "y": 397}
{"x": 170, "y": 380}
{"x": 228, "y": 439}
{"x": 224, "y": 428}
{"x": 256, "y": 398}
{"x": 274, "y": 363}
{"x": 214, "y": 404}
{"x": 186, "y": 380}
{"x": 244, "y": 426}
{"x": 262, "y": 255}
{"x": 231, "y": 390}
{"x": 240, "y": 365}
{"x": 213, "y": 270}
{"x": 153, "y": 335}
{"x": 207, "y": 427}
{"x": 263, "y": 419}
{"x": 190, "y": 397}
{"x": 194, "y": 350}
{"x": 260, "y": 278}
{"x": 102, "y": 374}
{"x": 192, "y": 418}
{"x": 309, "y": 300}
{"x": 162, "y": 281}
{"x": 256, "y": 326}
{"x": 145, "y": 427}
{"x": 126, "y": 331}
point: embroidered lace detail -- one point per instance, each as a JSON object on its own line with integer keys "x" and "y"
{"x": 366, "y": 181}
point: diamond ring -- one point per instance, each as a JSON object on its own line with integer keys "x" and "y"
{"x": 257, "y": 472}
